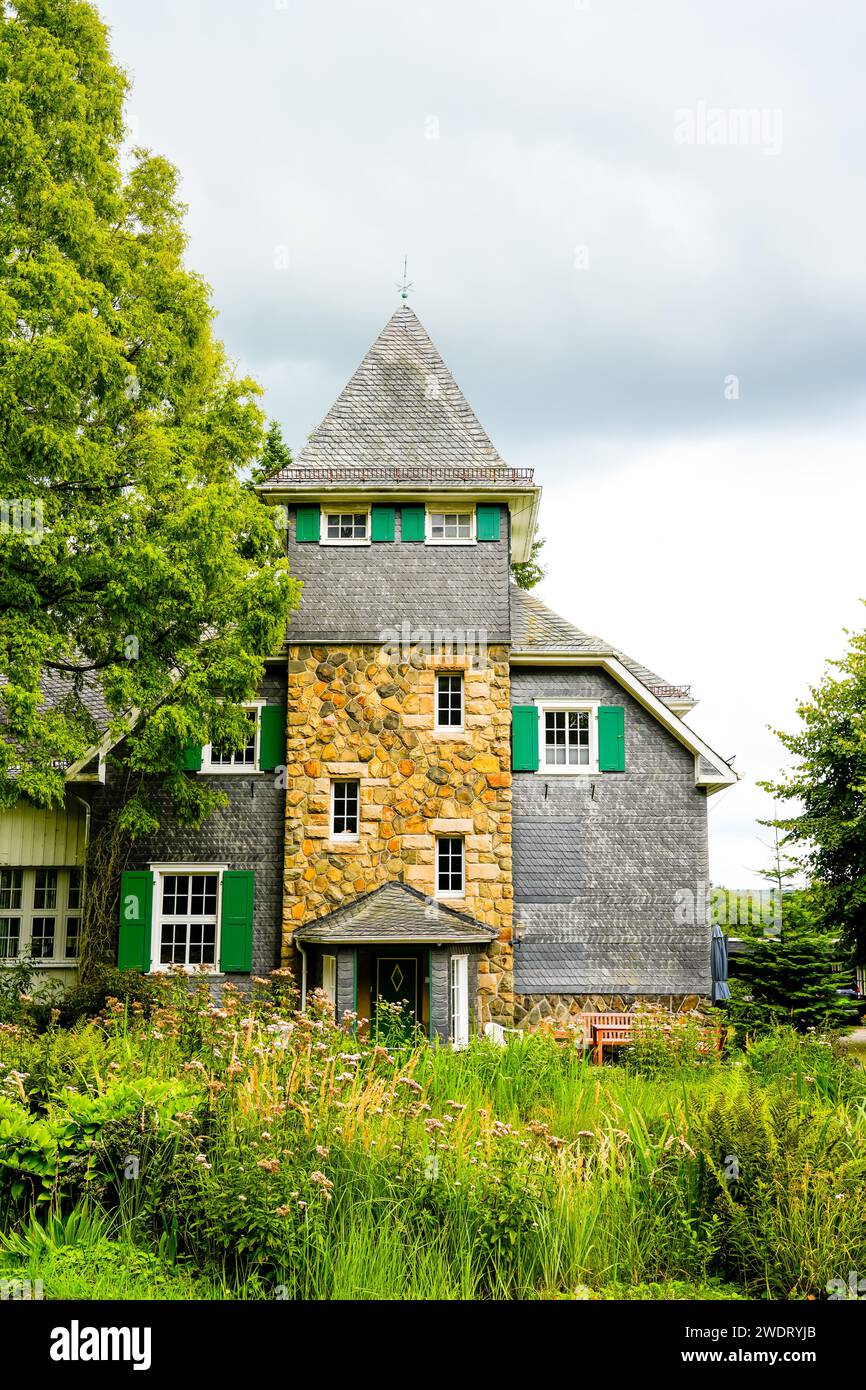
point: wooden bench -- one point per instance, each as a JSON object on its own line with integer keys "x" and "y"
{"x": 615, "y": 1030}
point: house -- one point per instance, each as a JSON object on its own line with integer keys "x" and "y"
{"x": 451, "y": 797}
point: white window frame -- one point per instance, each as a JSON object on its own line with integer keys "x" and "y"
{"x": 445, "y": 509}
{"x": 459, "y": 999}
{"x": 568, "y": 769}
{"x": 449, "y": 728}
{"x": 160, "y": 871}
{"x": 61, "y": 912}
{"x": 237, "y": 769}
{"x": 449, "y": 892}
{"x": 349, "y": 510}
{"x": 329, "y": 977}
{"x": 344, "y": 836}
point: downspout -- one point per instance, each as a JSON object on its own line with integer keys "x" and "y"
{"x": 300, "y": 946}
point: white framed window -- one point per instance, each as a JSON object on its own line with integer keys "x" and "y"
{"x": 40, "y": 914}
{"x": 345, "y": 810}
{"x": 329, "y": 977}
{"x": 246, "y": 759}
{"x": 450, "y": 528}
{"x": 345, "y": 527}
{"x": 449, "y": 701}
{"x": 186, "y": 918}
{"x": 568, "y": 736}
{"x": 450, "y": 870}
{"x": 459, "y": 1001}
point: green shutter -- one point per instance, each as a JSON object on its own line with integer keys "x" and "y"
{"x": 487, "y": 523}
{"x": 611, "y": 738}
{"x": 524, "y": 738}
{"x": 412, "y": 523}
{"x": 136, "y": 904}
{"x": 272, "y": 737}
{"x": 236, "y": 922}
{"x": 192, "y": 758}
{"x": 382, "y": 528}
{"x": 307, "y": 528}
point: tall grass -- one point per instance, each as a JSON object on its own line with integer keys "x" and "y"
{"x": 250, "y": 1153}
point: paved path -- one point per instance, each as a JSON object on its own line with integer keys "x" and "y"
{"x": 856, "y": 1038}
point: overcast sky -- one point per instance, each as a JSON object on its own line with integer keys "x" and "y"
{"x": 636, "y": 234}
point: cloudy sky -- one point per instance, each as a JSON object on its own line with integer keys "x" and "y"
{"x": 636, "y": 234}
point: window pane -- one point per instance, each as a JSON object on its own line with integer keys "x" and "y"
{"x": 10, "y": 936}
{"x": 238, "y": 757}
{"x": 10, "y": 888}
{"x": 42, "y": 938}
{"x": 449, "y": 865}
{"x": 45, "y": 892}
{"x": 73, "y": 898}
{"x": 72, "y": 934}
{"x": 449, "y": 701}
{"x": 346, "y": 797}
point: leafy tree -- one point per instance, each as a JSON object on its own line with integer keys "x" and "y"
{"x": 134, "y": 559}
{"x": 528, "y": 573}
{"x": 828, "y": 789}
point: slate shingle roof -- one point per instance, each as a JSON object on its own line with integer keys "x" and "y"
{"x": 395, "y": 913}
{"x": 401, "y": 409}
{"x": 536, "y": 628}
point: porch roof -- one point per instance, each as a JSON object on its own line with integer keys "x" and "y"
{"x": 396, "y": 914}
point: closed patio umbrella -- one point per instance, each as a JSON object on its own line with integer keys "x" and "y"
{"x": 719, "y": 965}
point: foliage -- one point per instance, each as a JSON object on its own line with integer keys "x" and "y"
{"x": 249, "y": 1151}
{"x": 147, "y": 574}
{"x": 789, "y": 979}
{"x": 828, "y": 789}
{"x": 275, "y": 456}
{"x": 528, "y": 573}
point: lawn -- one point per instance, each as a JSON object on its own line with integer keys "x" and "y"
{"x": 172, "y": 1149}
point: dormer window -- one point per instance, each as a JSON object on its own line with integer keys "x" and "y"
{"x": 345, "y": 528}
{"x": 451, "y": 528}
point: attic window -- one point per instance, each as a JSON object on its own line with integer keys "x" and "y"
{"x": 346, "y": 528}
{"x": 444, "y": 528}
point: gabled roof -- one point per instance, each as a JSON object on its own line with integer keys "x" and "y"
{"x": 536, "y": 628}
{"x": 401, "y": 408}
{"x": 396, "y": 914}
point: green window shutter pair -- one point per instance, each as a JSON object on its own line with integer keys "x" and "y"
{"x": 192, "y": 758}
{"x": 487, "y": 523}
{"x": 272, "y": 737}
{"x": 611, "y": 738}
{"x": 412, "y": 523}
{"x": 382, "y": 524}
{"x": 136, "y": 921}
{"x": 307, "y": 525}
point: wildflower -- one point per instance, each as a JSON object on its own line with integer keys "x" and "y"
{"x": 455, "y": 1105}
{"x": 203, "y": 1163}
{"x": 282, "y": 1211}
{"x": 269, "y": 1165}
{"x": 321, "y": 1179}
{"x": 322, "y": 1151}
{"x": 344, "y": 1076}
{"x": 302, "y": 1206}
{"x": 432, "y": 1125}
{"x": 408, "y": 1081}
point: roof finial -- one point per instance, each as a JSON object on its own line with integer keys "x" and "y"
{"x": 406, "y": 286}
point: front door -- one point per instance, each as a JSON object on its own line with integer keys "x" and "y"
{"x": 396, "y": 986}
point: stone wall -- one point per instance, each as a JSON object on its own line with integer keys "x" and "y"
{"x": 359, "y": 712}
{"x": 561, "y": 1010}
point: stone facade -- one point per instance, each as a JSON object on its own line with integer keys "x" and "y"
{"x": 562, "y": 1010}
{"x": 359, "y": 712}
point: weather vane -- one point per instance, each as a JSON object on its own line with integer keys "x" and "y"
{"x": 406, "y": 286}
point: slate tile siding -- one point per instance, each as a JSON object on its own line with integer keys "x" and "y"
{"x": 246, "y": 834}
{"x": 598, "y": 860}
{"x": 355, "y": 593}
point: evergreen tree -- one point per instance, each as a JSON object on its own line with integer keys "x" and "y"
{"x": 528, "y": 573}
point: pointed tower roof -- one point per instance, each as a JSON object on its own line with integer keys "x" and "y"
{"x": 401, "y": 410}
